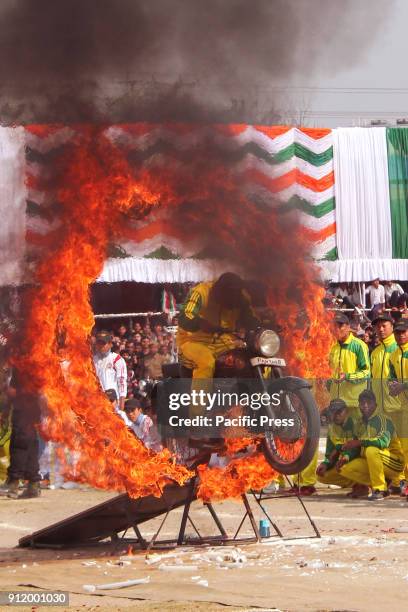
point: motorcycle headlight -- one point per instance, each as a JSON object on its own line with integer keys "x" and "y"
{"x": 267, "y": 343}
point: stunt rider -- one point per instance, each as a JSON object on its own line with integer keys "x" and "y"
{"x": 211, "y": 313}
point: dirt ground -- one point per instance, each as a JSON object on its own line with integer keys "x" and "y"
{"x": 359, "y": 563}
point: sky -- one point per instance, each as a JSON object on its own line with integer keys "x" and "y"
{"x": 316, "y": 62}
{"x": 374, "y": 87}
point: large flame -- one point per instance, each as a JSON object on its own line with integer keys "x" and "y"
{"x": 97, "y": 188}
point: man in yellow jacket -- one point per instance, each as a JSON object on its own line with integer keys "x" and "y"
{"x": 341, "y": 430}
{"x": 381, "y": 457}
{"x": 350, "y": 365}
{"x": 380, "y": 374}
{"x": 212, "y": 311}
{"x": 399, "y": 386}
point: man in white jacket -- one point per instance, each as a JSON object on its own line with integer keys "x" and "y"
{"x": 110, "y": 367}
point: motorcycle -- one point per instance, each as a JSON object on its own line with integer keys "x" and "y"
{"x": 290, "y": 435}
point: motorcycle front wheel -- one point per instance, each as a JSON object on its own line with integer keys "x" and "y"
{"x": 290, "y": 450}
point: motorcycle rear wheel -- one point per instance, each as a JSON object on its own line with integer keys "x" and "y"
{"x": 290, "y": 456}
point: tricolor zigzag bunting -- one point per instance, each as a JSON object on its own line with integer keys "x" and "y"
{"x": 294, "y": 165}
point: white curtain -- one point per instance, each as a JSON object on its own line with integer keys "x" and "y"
{"x": 148, "y": 270}
{"x": 12, "y": 205}
{"x": 362, "y": 194}
{"x": 358, "y": 270}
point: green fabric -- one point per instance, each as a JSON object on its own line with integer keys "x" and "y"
{"x": 317, "y": 211}
{"x": 397, "y": 143}
{"x": 297, "y": 150}
{"x": 162, "y": 253}
{"x": 332, "y": 255}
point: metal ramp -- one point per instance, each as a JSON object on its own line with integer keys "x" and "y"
{"x": 108, "y": 519}
{"x": 121, "y": 513}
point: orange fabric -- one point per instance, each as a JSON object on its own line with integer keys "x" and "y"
{"x": 150, "y": 230}
{"x": 319, "y": 236}
{"x": 42, "y": 240}
{"x": 274, "y": 130}
{"x": 233, "y": 129}
{"x": 42, "y": 131}
{"x": 286, "y": 180}
{"x": 315, "y": 133}
{"x": 38, "y": 182}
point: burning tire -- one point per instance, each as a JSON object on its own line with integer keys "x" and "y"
{"x": 290, "y": 450}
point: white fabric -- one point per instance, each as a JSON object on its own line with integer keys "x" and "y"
{"x": 12, "y": 205}
{"x": 52, "y": 141}
{"x": 362, "y": 194}
{"x": 163, "y": 270}
{"x": 252, "y": 162}
{"x": 359, "y": 270}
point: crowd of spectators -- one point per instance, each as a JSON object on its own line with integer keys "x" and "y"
{"x": 363, "y": 305}
{"x": 145, "y": 345}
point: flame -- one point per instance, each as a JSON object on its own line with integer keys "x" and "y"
{"x": 239, "y": 476}
{"x": 96, "y": 190}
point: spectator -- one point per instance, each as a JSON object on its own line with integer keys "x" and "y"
{"x": 158, "y": 329}
{"x": 399, "y": 386}
{"x": 24, "y": 446}
{"x": 123, "y": 333}
{"x": 340, "y": 430}
{"x": 381, "y": 456}
{"x": 142, "y": 425}
{"x": 110, "y": 367}
{"x": 376, "y": 294}
{"x": 145, "y": 342}
{"x": 355, "y": 295}
{"x": 350, "y": 364}
{"x": 138, "y": 367}
{"x": 341, "y": 291}
{"x": 393, "y": 291}
{"x": 154, "y": 361}
{"x": 135, "y": 353}
{"x": 147, "y": 331}
{"x": 113, "y": 398}
{"x": 137, "y": 328}
{"x": 380, "y": 371}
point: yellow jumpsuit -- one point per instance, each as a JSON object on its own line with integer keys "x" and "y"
{"x": 350, "y": 358}
{"x": 380, "y": 372}
{"x": 398, "y": 364}
{"x": 337, "y": 435}
{"x": 198, "y": 350}
{"x": 381, "y": 457}
{"x": 5, "y": 434}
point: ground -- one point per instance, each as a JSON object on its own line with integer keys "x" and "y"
{"x": 359, "y": 563}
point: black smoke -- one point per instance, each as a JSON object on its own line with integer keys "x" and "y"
{"x": 128, "y": 60}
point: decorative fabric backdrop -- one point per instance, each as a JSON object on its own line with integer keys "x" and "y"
{"x": 300, "y": 164}
{"x": 350, "y": 186}
{"x": 12, "y": 205}
{"x": 291, "y": 165}
{"x": 362, "y": 194}
{"x": 397, "y": 141}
